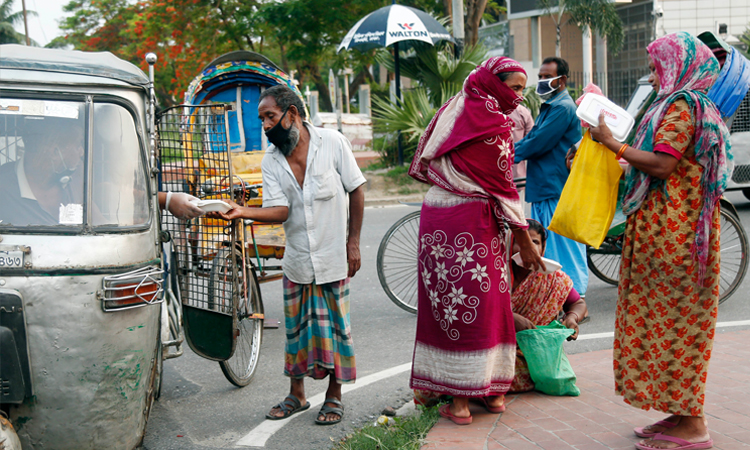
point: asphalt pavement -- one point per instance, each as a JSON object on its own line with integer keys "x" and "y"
{"x": 200, "y": 410}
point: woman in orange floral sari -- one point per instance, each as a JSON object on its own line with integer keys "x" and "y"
{"x": 537, "y": 299}
{"x": 669, "y": 274}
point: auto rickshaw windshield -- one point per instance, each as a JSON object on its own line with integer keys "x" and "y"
{"x": 44, "y": 159}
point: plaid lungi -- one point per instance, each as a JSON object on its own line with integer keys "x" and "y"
{"x": 318, "y": 331}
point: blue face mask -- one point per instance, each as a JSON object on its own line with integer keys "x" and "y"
{"x": 544, "y": 87}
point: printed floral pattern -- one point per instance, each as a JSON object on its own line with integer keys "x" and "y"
{"x": 665, "y": 317}
{"x": 447, "y": 268}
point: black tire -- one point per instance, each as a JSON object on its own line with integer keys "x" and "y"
{"x": 240, "y": 368}
{"x": 734, "y": 250}
{"x": 397, "y": 262}
{"x": 604, "y": 262}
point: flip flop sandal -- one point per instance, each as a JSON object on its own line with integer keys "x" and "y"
{"x": 682, "y": 443}
{"x": 645, "y": 434}
{"x": 289, "y": 406}
{"x": 325, "y": 410}
{"x": 445, "y": 411}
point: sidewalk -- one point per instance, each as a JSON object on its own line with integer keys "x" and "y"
{"x": 599, "y": 419}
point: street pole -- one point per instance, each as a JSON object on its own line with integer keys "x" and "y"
{"x": 588, "y": 66}
{"x": 458, "y": 26}
{"x": 25, "y": 23}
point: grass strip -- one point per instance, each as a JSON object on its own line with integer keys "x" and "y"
{"x": 407, "y": 433}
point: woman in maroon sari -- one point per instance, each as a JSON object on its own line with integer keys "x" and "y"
{"x": 465, "y": 345}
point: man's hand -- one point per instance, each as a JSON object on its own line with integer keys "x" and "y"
{"x": 353, "y": 258}
{"x": 234, "y": 213}
{"x": 180, "y": 206}
{"x": 571, "y": 321}
{"x": 522, "y": 323}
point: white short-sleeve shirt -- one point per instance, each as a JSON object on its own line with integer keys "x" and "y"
{"x": 316, "y": 229}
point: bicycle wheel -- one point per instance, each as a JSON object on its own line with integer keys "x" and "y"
{"x": 734, "y": 249}
{"x": 604, "y": 262}
{"x": 397, "y": 262}
{"x": 240, "y": 368}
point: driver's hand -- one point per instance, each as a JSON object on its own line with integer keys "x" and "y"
{"x": 180, "y": 206}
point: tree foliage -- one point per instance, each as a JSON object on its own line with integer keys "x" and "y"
{"x": 8, "y": 21}
{"x": 598, "y": 15}
{"x": 299, "y": 35}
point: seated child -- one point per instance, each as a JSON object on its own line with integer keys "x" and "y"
{"x": 538, "y": 299}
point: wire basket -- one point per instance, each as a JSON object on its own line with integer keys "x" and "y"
{"x": 195, "y": 159}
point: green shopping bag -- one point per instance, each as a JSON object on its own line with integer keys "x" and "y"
{"x": 548, "y": 366}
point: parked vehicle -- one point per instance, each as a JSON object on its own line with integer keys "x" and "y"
{"x": 82, "y": 279}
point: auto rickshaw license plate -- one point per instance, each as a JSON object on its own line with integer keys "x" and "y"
{"x": 11, "y": 259}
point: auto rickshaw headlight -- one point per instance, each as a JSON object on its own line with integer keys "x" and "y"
{"x": 133, "y": 289}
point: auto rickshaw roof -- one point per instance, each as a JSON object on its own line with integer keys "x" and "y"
{"x": 96, "y": 64}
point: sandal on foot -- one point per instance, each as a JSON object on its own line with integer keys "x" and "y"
{"x": 325, "y": 410}
{"x": 445, "y": 411}
{"x": 492, "y": 409}
{"x": 289, "y": 406}
{"x": 682, "y": 443}
{"x": 645, "y": 434}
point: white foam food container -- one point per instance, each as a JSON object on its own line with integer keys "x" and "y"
{"x": 212, "y": 205}
{"x": 617, "y": 119}
{"x": 551, "y": 265}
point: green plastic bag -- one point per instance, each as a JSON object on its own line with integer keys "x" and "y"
{"x": 548, "y": 366}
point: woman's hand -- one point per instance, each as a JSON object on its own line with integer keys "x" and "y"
{"x": 601, "y": 133}
{"x": 521, "y": 323}
{"x": 530, "y": 256}
{"x": 571, "y": 321}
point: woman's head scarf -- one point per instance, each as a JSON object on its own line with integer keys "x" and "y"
{"x": 479, "y": 112}
{"x": 687, "y": 69}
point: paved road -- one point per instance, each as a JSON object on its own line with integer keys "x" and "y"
{"x": 199, "y": 409}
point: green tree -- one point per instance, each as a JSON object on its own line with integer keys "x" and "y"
{"x": 599, "y": 16}
{"x": 8, "y": 21}
{"x": 439, "y": 76}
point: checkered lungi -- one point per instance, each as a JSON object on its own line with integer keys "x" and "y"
{"x": 318, "y": 331}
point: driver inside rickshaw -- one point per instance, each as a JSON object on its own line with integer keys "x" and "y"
{"x": 45, "y": 185}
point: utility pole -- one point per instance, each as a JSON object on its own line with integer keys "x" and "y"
{"x": 458, "y": 25}
{"x": 25, "y": 23}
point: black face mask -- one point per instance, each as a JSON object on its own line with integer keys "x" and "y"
{"x": 278, "y": 135}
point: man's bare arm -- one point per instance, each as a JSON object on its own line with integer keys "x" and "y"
{"x": 356, "y": 214}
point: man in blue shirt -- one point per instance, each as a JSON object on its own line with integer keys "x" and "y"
{"x": 556, "y": 129}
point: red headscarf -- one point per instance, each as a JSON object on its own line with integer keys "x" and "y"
{"x": 485, "y": 103}
{"x": 476, "y": 119}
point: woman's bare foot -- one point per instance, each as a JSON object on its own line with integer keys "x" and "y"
{"x": 495, "y": 401}
{"x": 655, "y": 428}
{"x": 691, "y": 429}
{"x": 460, "y": 407}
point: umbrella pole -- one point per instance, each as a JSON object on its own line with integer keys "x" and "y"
{"x": 398, "y": 100}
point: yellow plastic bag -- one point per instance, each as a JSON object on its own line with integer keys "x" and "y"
{"x": 589, "y": 199}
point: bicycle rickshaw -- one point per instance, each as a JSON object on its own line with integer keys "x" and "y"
{"x": 211, "y": 147}
{"x": 398, "y": 250}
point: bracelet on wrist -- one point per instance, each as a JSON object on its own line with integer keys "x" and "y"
{"x": 578, "y": 318}
{"x": 621, "y": 151}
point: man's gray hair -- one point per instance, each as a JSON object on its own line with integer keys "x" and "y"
{"x": 285, "y": 98}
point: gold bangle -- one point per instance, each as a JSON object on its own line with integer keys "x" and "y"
{"x": 621, "y": 151}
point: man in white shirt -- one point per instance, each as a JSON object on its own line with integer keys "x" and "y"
{"x": 307, "y": 173}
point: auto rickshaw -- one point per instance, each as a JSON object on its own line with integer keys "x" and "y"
{"x": 81, "y": 261}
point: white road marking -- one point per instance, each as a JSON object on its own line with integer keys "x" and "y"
{"x": 611, "y": 334}
{"x": 260, "y": 434}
